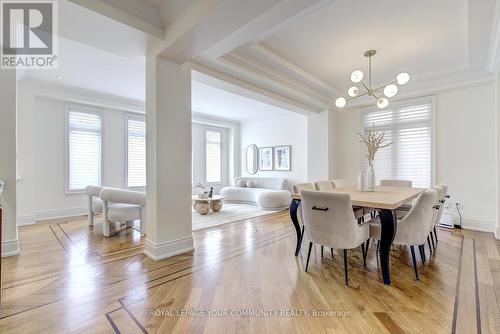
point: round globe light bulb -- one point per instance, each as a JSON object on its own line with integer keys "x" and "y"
{"x": 356, "y": 76}
{"x": 382, "y": 103}
{"x": 353, "y": 91}
{"x": 340, "y": 102}
{"x": 403, "y": 78}
{"x": 390, "y": 90}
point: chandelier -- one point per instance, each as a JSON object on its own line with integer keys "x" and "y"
{"x": 389, "y": 90}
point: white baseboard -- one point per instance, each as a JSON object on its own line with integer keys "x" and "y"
{"x": 497, "y": 233}
{"x": 168, "y": 249}
{"x": 478, "y": 225}
{"x": 25, "y": 220}
{"x": 10, "y": 248}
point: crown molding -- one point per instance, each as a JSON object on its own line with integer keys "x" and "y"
{"x": 220, "y": 77}
{"x": 82, "y": 95}
{"x": 141, "y": 16}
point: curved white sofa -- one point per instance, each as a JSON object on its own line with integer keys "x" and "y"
{"x": 268, "y": 193}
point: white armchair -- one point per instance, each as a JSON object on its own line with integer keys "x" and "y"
{"x": 123, "y": 206}
{"x": 94, "y": 202}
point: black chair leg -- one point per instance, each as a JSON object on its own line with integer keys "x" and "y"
{"x": 363, "y": 251}
{"x": 321, "y": 250}
{"x": 308, "y": 255}
{"x": 435, "y": 235}
{"x": 366, "y": 251}
{"x": 422, "y": 253}
{"x": 432, "y": 240}
{"x": 429, "y": 242}
{"x": 378, "y": 246}
{"x": 331, "y": 250}
{"x": 414, "y": 262}
{"x": 345, "y": 267}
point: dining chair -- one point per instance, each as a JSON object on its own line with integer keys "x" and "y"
{"x": 330, "y": 221}
{"x": 396, "y": 183}
{"x": 359, "y": 212}
{"x": 436, "y": 217}
{"x": 442, "y": 201}
{"x": 414, "y": 228}
{"x": 323, "y": 185}
{"x": 339, "y": 183}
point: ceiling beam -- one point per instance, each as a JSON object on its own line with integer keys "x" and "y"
{"x": 212, "y": 28}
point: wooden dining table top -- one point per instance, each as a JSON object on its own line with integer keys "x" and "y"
{"x": 389, "y": 198}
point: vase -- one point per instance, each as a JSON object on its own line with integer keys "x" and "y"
{"x": 366, "y": 179}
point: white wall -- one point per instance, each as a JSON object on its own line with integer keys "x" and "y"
{"x": 289, "y": 130}
{"x": 41, "y": 152}
{"x": 465, "y": 144}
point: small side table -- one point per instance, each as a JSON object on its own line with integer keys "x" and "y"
{"x": 203, "y": 205}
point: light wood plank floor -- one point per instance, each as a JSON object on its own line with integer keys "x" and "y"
{"x": 69, "y": 279}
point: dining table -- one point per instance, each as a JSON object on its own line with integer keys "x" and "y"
{"x": 385, "y": 200}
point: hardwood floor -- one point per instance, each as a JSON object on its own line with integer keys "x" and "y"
{"x": 69, "y": 279}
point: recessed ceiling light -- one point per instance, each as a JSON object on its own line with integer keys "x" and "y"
{"x": 59, "y": 77}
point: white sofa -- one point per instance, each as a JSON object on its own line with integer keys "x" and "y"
{"x": 268, "y": 193}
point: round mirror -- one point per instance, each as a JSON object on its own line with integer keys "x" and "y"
{"x": 252, "y": 159}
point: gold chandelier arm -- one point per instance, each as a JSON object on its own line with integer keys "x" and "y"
{"x": 375, "y": 96}
{"x": 355, "y": 97}
{"x": 368, "y": 89}
{"x": 383, "y": 86}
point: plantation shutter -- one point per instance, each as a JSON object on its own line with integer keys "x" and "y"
{"x": 136, "y": 152}
{"x": 409, "y": 126}
{"x": 84, "y": 132}
{"x": 213, "y": 157}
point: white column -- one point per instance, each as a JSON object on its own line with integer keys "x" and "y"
{"x": 168, "y": 123}
{"x": 320, "y": 146}
{"x": 10, "y": 244}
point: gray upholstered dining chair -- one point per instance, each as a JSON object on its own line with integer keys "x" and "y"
{"x": 442, "y": 201}
{"x": 339, "y": 183}
{"x": 396, "y": 183}
{"x": 436, "y": 217}
{"x": 323, "y": 185}
{"x": 414, "y": 228}
{"x": 330, "y": 221}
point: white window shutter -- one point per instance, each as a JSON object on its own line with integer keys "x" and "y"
{"x": 84, "y": 149}
{"x": 136, "y": 155}
{"x": 213, "y": 157}
{"x": 409, "y": 127}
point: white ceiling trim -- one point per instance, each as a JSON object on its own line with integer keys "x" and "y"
{"x": 170, "y": 9}
{"x": 143, "y": 17}
{"x": 260, "y": 72}
{"x": 205, "y": 73}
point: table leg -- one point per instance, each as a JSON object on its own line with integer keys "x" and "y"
{"x": 389, "y": 225}
{"x": 293, "y": 215}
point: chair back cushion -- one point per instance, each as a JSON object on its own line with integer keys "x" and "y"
{"x": 339, "y": 183}
{"x": 123, "y": 196}
{"x": 264, "y": 182}
{"x": 323, "y": 185}
{"x": 329, "y": 220}
{"x": 297, "y": 188}
{"x": 396, "y": 183}
{"x": 93, "y": 190}
{"x": 414, "y": 228}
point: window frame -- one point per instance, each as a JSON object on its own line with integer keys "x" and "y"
{"x": 408, "y": 102}
{"x": 89, "y": 110}
{"x": 139, "y": 117}
{"x": 213, "y": 129}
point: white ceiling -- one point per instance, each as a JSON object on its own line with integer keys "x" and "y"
{"x": 412, "y": 36}
{"x": 216, "y": 102}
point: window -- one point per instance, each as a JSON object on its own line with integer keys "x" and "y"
{"x": 136, "y": 151}
{"x": 213, "y": 157}
{"x": 409, "y": 126}
{"x": 84, "y": 149}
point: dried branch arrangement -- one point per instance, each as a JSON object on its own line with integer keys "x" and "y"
{"x": 373, "y": 141}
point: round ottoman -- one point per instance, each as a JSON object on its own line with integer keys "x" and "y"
{"x": 274, "y": 200}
